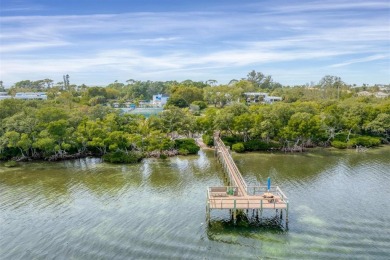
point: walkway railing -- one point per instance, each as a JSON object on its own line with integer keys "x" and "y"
{"x": 233, "y": 172}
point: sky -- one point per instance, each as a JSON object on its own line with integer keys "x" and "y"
{"x": 97, "y": 42}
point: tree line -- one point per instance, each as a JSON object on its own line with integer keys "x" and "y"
{"x": 75, "y": 122}
{"x": 356, "y": 121}
{"x": 52, "y": 131}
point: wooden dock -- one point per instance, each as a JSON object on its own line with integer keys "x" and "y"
{"x": 238, "y": 196}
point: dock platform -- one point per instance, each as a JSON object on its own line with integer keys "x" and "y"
{"x": 238, "y": 196}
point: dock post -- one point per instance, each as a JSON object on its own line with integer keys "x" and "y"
{"x": 235, "y": 213}
{"x": 208, "y": 214}
{"x": 261, "y": 209}
{"x": 287, "y": 215}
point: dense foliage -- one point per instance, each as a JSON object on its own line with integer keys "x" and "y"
{"x": 348, "y": 123}
{"x": 47, "y": 130}
{"x": 186, "y": 146}
{"x": 78, "y": 121}
{"x": 238, "y": 147}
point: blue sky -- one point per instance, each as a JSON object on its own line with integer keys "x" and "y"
{"x": 98, "y": 42}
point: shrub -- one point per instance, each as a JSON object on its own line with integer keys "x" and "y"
{"x": 200, "y": 104}
{"x": 229, "y": 140}
{"x": 255, "y": 145}
{"x": 187, "y": 144}
{"x": 238, "y": 147}
{"x": 208, "y": 140}
{"x": 178, "y": 102}
{"x": 367, "y": 141}
{"x": 183, "y": 152}
{"x": 122, "y": 157}
{"x": 258, "y": 145}
{"x": 339, "y": 144}
{"x": 343, "y": 136}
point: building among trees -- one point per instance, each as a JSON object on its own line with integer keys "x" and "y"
{"x": 4, "y": 95}
{"x": 260, "y": 97}
{"x": 31, "y": 95}
{"x": 271, "y": 99}
{"x": 160, "y": 100}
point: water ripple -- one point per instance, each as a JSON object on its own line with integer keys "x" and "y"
{"x": 86, "y": 209}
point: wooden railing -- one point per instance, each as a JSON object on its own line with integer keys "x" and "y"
{"x": 233, "y": 172}
{"x": 222, "y": 191}
{"x": 261, "y": 190}
{"x": 247, "y": 202}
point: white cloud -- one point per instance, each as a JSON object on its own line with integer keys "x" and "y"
{"x": 192, "y": 42}
{"x": 331, "y": 5}
{"x": 27, "y": 46}
{"x": 365, "y": 59}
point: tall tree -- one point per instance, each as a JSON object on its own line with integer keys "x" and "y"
{"x": 331, "y": 85}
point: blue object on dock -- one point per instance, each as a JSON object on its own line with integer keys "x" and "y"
{"x": 269, "y": 183}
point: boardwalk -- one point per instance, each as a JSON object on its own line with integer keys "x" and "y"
{"x": 238, "y": 196}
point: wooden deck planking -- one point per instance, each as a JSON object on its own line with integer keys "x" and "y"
{"x": 232, "y": 168}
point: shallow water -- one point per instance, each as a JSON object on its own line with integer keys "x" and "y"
{"x": 86, "y": 209}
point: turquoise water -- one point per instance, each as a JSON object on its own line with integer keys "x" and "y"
{"x": 86, "y": 209}
{"x": 147, "y": 112}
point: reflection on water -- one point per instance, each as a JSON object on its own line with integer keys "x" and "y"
{"x": 156, "y": 209}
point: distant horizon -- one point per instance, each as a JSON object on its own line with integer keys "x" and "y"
{"x": 218, "y": 83}
{"x": 98, "y": 42}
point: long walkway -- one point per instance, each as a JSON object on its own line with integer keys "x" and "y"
{"x": 238, "y": 196}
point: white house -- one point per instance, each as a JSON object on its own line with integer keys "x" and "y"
{"x": 4, "y": 95}
{"x": 263, "y": 97}
{"x": 160, "y": 100}
{"x": 31, "y": 95}
{"x": 272, "y": 99}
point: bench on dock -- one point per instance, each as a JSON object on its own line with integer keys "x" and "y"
{"x": 218, "y": 192}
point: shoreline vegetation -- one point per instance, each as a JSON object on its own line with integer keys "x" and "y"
{"x": 183, "y": 146}
{"x": 80, "y": 121}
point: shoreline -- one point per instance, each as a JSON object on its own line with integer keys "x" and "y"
{"x": 202, "y": 147}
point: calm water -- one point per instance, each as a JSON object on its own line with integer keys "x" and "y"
{"x": 85, "y": 209}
